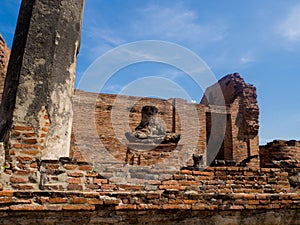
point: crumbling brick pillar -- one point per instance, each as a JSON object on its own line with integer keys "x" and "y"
{"x": 36, "y": 110}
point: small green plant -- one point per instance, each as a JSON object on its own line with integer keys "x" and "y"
{"x": 94, "y": 170}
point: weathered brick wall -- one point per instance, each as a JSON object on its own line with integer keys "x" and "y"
{"x": 280, "y": 153}
{"x": 75, "y": 186}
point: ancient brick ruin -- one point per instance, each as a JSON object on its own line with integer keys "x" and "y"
{"x": 48, "y": 175}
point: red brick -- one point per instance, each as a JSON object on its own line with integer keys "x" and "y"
{"x": 152, "y": 195}
{"x": 95, "y": 201}
{"x": 176, "y": 206}
{"x": 18, "y": 146}
{"x": 74, "y": 187}
{"x": 85, "y": 167}
{"x": 79, "y": 207}
{"x": 45, "y": 129}
{"x": 78, "y": 200}
{"x": 100, "y": 181}
{"x": 92, "y": 175}
{"x": 75, "y": 174}
{"x": 186, "y": 172}
{"x": 18, "y": 180}
{"x": 24, "y": 187}
{"x": 250, "y": 206}
{"x": 6, "y": 193}
{"x": 131, "y": 187}
{"x": 26, "y": 208}
{"x": 204, "y": 173}
{"x": 111, "y": 201}
{"x": 170, "y": 182}
{"x": 21, "y": 172}
{"x": 126, "y": 207}
{"x": 21, "y": 128}
{"x": 172, "y": 187}
{"x": 108, "y": 186}
{"x": 237, "y": 207}
{"x": 34, "y": 165}
{"x": 154, "y": 182}
{"x": 57, "y": 200}
{"x": 12, "y": 152}
{"x": 30, "y": 141}
{"x": 70, "y": 166}
{"x": 29, "y": 152}
{"x": 16, "y": 133}
{"x": 24, "y": 158}
{"x": 91, "y": 194}
{"x": 27, "y": 146}
{"x": 189, "y": 201}
{"x": 253, "y": 202}
{"x": 212, "y": 207}
{"x": 29, "y": 134}
{"x": 199, "y": 207}
{"x": 52, "y": 166}
{"x": 92, "y": 186}
{"x": 74, "y": 180}
{"x": 53, "y": 207}
{"x": 6, "y": 200}
{"x": 142, "y": 206}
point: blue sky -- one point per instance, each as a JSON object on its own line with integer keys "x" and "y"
{"x": 260, "y": 39}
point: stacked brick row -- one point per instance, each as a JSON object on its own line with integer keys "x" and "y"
{"x": 72, "y": 186}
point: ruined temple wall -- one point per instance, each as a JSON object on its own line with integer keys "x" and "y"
{"x": 241, "y": 99}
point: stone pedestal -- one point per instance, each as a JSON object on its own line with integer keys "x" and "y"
{"x": 149, "y": 154}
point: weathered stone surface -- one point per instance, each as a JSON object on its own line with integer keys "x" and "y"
{"x": 4, "y": 57}
{"x": 41, "y": 73}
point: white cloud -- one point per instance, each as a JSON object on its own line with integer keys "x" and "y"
{"x": 289, "y": 28}
{"x": 247, "y": 58}
{"x": 175, "y": 23}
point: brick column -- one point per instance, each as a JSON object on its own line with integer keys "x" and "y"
{"x": 36, "y": 111}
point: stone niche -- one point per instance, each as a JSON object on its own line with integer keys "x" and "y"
{"x": 150, "y": 142}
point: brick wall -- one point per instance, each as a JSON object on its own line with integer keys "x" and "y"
{"x": 75, "y": 186}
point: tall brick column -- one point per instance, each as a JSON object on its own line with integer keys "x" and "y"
{"x": 36, "y": 111}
